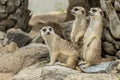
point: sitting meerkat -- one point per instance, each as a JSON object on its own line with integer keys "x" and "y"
{"x": 60, "y": 49}
{"x": 79, "y": 25}
{"x": 92, "y": 39}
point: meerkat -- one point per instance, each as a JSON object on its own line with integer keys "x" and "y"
{"x": 12, "y": 47}
{"x": 92, "y": 39}
{"x": 79, "y": 25}
{"x": 60, "y": 49}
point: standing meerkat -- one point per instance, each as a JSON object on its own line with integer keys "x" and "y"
{"x": 92, "y": 39}
{"x": 79, "y": 25}
{"x": 60, "y": 49}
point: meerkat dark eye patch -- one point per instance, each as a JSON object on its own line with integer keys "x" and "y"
{"x": 50, "y": 29}
{"x": 76, "y": 9}
{"x": 83, "y": 12}
{"x": 101, "y": 13}
{"x": 44, "y": 30}
{"x": 94, "y": 10}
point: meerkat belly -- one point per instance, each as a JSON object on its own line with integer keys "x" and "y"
{"x": 62, "y": 57}
{"x": 93, "y": 51}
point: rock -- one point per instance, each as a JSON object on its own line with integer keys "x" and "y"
{"x": 17, "y": 3}
{"x": 8, "y": 23}
{"x": 2, "y": 37}
{"x": 16, "y": 16}
{"x": 23, "y": 57}
{"x": 3, "y": 28}
{"x": 10, "y": 48}
{"x": 117, "y": 44}
{"x": 11, "y": 6}
{"x": 92, "y": 77}
{"x": 3, "y": 1}
{"x": 109, "y": 48}
{"x": 118, "y": 54}
{"x": 55, "y": 17}
{"x": 3, "y": 16}
{"x": 37, "y": 39}
{"x": 18, "y": 36}
{"x": 2, "y": 9}
{"x": 67, "y": 27}
{"x": 36, "y": 72}
{"x": 107, "y": 37}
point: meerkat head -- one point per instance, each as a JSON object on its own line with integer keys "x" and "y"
{"x": 95, "y": 12}
{"x": 46, "y": 31}
{"x": 78, "y": 11}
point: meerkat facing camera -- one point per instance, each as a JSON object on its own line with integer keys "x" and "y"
{"x": 79, "y": 25}
{"x": 92, "y": 39}
{"x": 60, "y": 49}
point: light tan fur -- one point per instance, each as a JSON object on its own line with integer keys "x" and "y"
{"x": 92, "y": 39}
{"x": 60, "y": 49}
{"x": 9, "y": 48}
{"x": 79, "y": 25}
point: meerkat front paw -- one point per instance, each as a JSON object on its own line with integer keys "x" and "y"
{"x": 86, "y": 65}
{"x": 49, "y": 64}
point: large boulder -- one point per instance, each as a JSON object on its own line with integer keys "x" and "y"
{"x": 36, "y": 72}
{"x": 23, "y": 57}
{"x": 18, "y": 36}
{"x": 109, "y": 48}
{"x": 2, "y": 37}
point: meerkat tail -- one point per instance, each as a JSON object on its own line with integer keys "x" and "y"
{"x": 107, "y": 59}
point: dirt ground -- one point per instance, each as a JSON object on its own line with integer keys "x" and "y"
{"x": 6, "y": 76}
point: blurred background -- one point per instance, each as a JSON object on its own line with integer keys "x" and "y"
{"x": 43, "y": 6}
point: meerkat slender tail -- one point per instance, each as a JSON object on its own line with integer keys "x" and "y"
{"x": 107, "y": 59}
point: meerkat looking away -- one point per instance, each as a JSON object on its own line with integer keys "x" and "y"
{"x": 79, "y": 25}
{"x": 92, "y": 39}
{"x": 60, "y": 49}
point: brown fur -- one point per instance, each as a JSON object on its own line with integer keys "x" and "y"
{"x": 92, "y": 39}
{"x": 60, "y": 49}
{"x": 79, "y": 25}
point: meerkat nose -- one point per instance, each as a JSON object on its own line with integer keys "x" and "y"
{"x": 48, "y": 33}
{"x": 71, "y": 11}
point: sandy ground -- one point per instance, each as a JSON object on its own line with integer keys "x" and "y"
{"x": 5, "y": 76}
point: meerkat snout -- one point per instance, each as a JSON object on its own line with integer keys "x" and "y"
{"x": 77, "y": 11}
{"x": 47, "y": 30}
{"x": 95, "y": 11}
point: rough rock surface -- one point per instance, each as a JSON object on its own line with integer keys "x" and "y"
{"x": 11, "y": 11}
{"x": 23, "y": 57}
{"x": 2, "y": 37}
{"x": 36, "y": 72}
{"x": 18, "y": 36}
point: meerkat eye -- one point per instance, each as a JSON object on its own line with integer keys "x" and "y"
{"x": 94, "y": 10}
{"x": 75, "y": 9}
{"x": 44, "y": 30}
{"x": 50, "y": 29}
{"x": 83, "y": 12}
